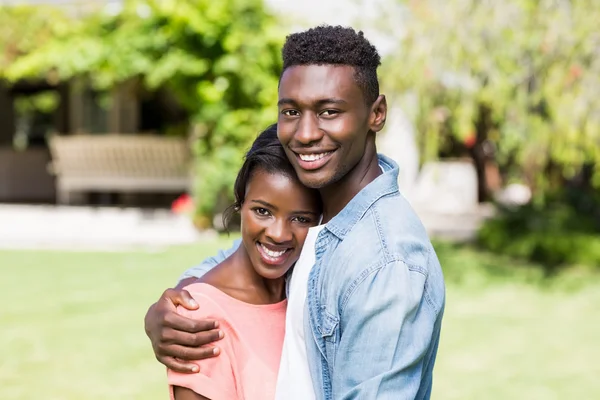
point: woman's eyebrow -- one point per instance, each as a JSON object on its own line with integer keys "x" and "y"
{"x": 264, "y": 203}
{"x": 273, "y": 207}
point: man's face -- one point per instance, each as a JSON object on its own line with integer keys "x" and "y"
{"x": 324, "y": 121}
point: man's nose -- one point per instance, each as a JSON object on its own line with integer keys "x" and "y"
{"x": 308, "y": 131}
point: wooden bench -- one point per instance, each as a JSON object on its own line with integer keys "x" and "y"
{"x": 119, "y": 163}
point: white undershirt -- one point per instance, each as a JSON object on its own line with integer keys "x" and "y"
{"x": 294, "y": 381}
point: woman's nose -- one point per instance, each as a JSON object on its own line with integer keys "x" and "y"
{"x": 279, "y": 231}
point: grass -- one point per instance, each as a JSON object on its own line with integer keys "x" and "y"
{"x": 510, "y": 332}
{"x": 72, "y": 326}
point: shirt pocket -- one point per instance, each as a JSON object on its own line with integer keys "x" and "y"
{"x": 329, "y": 331}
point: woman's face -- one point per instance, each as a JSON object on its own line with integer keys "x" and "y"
{"x": 276, "y": 215}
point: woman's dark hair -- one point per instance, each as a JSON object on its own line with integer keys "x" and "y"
{"x": 267, "y": 154}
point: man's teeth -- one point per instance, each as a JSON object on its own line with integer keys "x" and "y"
{"x": 271, "y": 253}
{"x": 313, "y": 157}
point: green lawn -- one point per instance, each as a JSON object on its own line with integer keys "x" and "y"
{"x": 72, "y": 326}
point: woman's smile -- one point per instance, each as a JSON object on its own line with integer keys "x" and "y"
{"x": 273, "y": 255}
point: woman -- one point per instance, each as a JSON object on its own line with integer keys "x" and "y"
{"x": 246, "y": 292}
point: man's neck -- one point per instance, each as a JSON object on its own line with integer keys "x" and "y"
{"x": 337, "y": 195}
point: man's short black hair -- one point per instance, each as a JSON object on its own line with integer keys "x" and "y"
{"x": 339, "y": 46}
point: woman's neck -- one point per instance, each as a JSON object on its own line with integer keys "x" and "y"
{"x": 237, "y": 278}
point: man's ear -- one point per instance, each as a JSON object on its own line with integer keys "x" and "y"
{"x": 378, "y": 114}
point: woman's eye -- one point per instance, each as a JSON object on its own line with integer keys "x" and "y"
{"x": 290, "y": 113}
{"x": 261, "y": 211}
{"x": 302, "y": 220}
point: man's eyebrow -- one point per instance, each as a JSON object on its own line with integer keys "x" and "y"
{"x": 331, "y": 101}
{"x": 320, "y": 102}
{"x": 285, "y": 101}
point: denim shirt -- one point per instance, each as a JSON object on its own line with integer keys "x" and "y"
{"x": 375, "y": 298}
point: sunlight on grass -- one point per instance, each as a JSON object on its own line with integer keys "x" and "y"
{"x": 72, "y": 326}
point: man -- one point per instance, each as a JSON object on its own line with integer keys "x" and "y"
{"x": 366, "y": 298}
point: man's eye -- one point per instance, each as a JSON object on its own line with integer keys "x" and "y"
{"x": 329, "y": 113}
{"x": 290, "y": 113}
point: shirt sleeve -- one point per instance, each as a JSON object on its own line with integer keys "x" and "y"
{"x": 199, "y": 270}
{"x": 389, "y": 334}
{"x": 216, "y": 379}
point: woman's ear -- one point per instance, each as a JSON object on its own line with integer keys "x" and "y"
{"x": 238, "y": 206}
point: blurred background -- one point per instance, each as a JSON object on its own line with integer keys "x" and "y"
{"x": 123, "y": 124}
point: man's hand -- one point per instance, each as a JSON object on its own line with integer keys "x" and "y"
{"x": 177, "y": 339}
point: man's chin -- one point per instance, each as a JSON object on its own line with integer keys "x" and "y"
{"x": 313, "y": 181}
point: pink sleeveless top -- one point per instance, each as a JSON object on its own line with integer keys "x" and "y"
{"x": 250, "y": 351}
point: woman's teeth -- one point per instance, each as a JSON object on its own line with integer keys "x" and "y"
{"x": 271, "y": 253}
{"x": 313, "y": 157}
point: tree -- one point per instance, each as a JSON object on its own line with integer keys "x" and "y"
{"x": 521, "y": 75}
{"x": 22, "y": 29}
{"x": 219, "y": 58}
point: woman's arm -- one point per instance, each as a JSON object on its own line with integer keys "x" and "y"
{"x": 181, "y": 393}
{"x": 216, "y": 376}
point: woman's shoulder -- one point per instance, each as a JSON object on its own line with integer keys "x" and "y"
{"x": 200, "y": 287}
{"x": 213, "y": 303}
{"x": 229, "y": 307}
{"x": 228, "y": 297}
{"x": 206, "y": 292}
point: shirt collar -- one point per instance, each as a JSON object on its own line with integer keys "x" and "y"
{"x": 384, "y": 184}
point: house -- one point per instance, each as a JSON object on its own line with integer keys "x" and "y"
{"x": 131, "y": 110}
{"x": 71, "y": 107}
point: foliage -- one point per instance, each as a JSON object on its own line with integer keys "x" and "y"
{"x": 521, "y": 75}
{"x": 220, "y": 60}
{"x": 23, "y": 29}
{"x": 563, "y": 230}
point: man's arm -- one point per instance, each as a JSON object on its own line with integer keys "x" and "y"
{"x": 176, "y": 340}
{"x": 389, "y": 330}
{"x": 199, "y": 270}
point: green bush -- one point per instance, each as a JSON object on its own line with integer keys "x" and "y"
{"x": 564, "y": 230}
{"x": 219, "y": 59}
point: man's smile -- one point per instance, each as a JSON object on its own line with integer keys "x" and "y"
{"x": 312, "y": 160}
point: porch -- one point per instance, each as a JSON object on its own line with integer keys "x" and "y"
{"x": 68, "y": 143}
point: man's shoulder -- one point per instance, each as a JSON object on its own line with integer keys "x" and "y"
{"x": 389, "y": 235}
{"x": 390, "y": 230}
